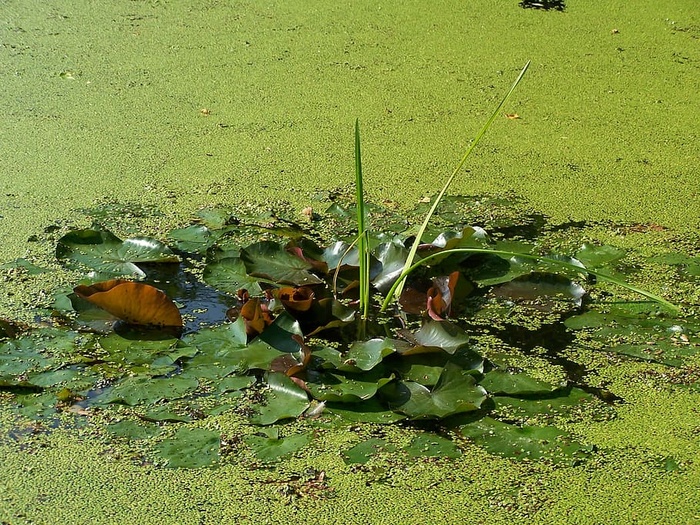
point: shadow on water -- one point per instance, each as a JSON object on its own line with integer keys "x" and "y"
{"x": 200, "y": 304}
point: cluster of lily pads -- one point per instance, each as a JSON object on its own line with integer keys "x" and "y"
{"x": 271, "y": 332}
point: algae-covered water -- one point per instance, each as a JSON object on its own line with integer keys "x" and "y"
{"x": 153, "y": 109}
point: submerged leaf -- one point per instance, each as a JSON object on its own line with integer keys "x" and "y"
{"x": 132, "y": 302}
{"x": 536, "y": 285}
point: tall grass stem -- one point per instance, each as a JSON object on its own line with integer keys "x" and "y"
{"x": 436, "y": 202}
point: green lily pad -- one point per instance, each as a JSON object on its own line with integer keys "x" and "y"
{"x": 521, "y": 383}
{"x": 365, "y": 355}
{"x": 20, "y": 357}
{"x": 536, "y": 284}
{"x": 344, "y": 387}
{"x": 196, "y": 238}
{"x": 191, "y": 448}
{"x": 282, "y": 400}
{"x": 230, "y": 275}
{"x": 133, "y": 430}
{"x": 442, "y": 334}
{"x": 431, "y": 445}
{"x": 393, "y": 256}
{"x": 368, "y": 411}
{"x": 146, "y": 390}
{"x": 271, "y": 447}
{"x": 107, "y": 255}
{"x": 362, "y": 452}
{"x": 270, "y": 260}
{"x": 233, "y": 383}
{"x": 27, "y": 266}
{"x": 426, "y": 368}
{"x": 455, "y": 392}
{"x": 597, "y": 256}
{"x": 526, "y": 442}
{"x": 556, "y": 403}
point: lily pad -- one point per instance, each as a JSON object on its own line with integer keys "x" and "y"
{"x": 456, "y": 392}
{"x": 362, "y": 452}
{"x": 270, "y": 447}
{"x": 519, "y": 383}
{"x": 230, "y": 275}
{"x": 191, "y": 448}
{"x": 432, "y": 445}
{"x": 146, "y": 390}
{"x": 442, "y": 334}
{"x": 196, "y": 238}
{"x": 526, "y": 442}
{"x": 270, "y": 260}
{"x": 282, "y": 400}
{"x": 369, "y": 411}
{"x": 108, "y": 255}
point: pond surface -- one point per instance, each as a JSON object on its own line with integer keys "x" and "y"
{"x": 143, "y": 112}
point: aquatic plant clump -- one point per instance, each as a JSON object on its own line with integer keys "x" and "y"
{"x": 273, "y": 331}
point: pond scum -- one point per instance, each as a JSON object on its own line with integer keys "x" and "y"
{"x": 481, "y": 348}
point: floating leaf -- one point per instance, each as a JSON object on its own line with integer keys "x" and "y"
{"x": 526, "y": 442}
{"x": 191, "y": 448}
{"x": 362, "y": 452}
{"x": 596, "y": 256}
{"x": 431, "y": 445}
{"x": 369, "y": 411}
{"x": 291, "y": 365}
{"x": 195, "y": 238}
{"x": 365, "y": 355}
{"x": 443, "y": 335}
{"x": 520, "y": 383}
{"x": 426, "y": 368}
{"x": 454, "y": 393}
{"x": 30, "y": 268}
{"x": 133, "y": 430}
{"x": 230, "y": 275}
{"x": 132, "y": 302}
{"x": 269, "y": 260}
{"x": 108, "y": 255}
{"x": 143, "y": 389}
{"x": 556, "y": 403}
{"x": 282, "y": 400}
{"x": 393, "y": 256}
{"x": 345, "y": 387}
{"x": 223, "y": 350}
{"x": 271, "y": 447}
{"x": 536, "y": 284}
